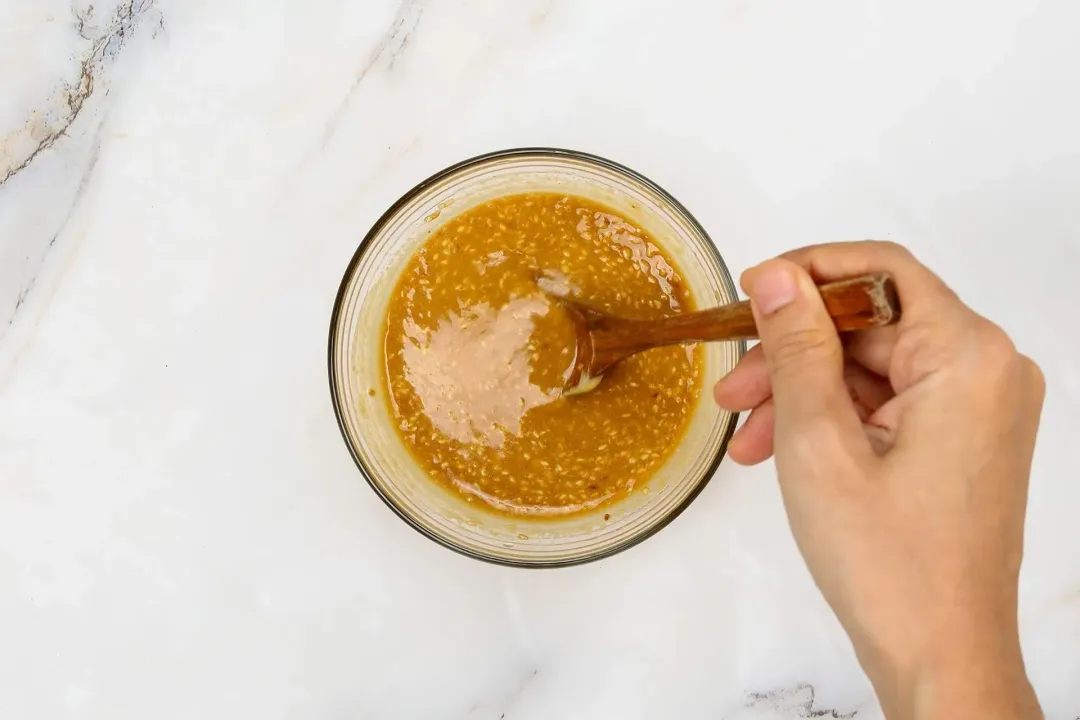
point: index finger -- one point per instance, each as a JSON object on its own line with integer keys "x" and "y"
{"x": 921, "y": 291}
{"x": 931, "y": 314}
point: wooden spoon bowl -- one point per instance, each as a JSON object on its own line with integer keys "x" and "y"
{"x": 603, "y": 339}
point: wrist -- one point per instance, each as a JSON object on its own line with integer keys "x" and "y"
{"x": 969, "y": 669}
{"x": 974, "y": 686}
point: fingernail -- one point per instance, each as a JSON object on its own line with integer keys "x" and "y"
{"x": 773, "y": 288}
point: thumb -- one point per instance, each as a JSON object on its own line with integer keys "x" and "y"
{"x": 802, "y": 353}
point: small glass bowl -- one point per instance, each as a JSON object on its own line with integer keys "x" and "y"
{"x": 358, "y": 387}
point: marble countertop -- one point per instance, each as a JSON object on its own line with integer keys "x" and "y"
{"x": 182, "y": 531}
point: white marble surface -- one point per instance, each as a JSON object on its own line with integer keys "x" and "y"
{"x": 182, "y": 532}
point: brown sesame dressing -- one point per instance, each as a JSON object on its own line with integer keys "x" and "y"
{"x": 476, "y": 357}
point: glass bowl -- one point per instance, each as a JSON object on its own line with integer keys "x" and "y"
{"x": 358, "y": 387}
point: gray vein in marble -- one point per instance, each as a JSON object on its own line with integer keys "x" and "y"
{"x": 72, "y": 98}
{"x": 796, "y": 702}
{"x": 516, "y": 694}
{"x": 390, "y": 47}
{"x": 45, "y": 126}
{"x": 84, "y": 180}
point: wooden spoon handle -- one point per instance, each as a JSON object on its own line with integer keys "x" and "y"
{"x": 860, "y": 303}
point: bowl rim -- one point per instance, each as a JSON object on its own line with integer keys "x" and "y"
{"x": 358, "y": 254}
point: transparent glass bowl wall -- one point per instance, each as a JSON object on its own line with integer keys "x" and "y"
{"x": 356, "y": 361}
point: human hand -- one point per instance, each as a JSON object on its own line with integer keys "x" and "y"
{"x": 903, "y": 455}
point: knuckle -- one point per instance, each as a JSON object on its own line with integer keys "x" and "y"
{"x": 1000, "y": 363}
{"x": 892, "y": 248}
{"x": 1034, "y": 375}
{"x": 995, "y": 344}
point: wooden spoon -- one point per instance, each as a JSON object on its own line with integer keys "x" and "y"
{"x": 861, "y": 303}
